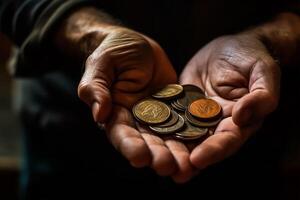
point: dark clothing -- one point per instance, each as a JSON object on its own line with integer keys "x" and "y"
{"x": 29, "y": 23}
{"x": 66, "y": 154}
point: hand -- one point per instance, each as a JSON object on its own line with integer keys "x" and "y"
{"x": 239, "y": 73}
{"x": 124, "y": 68}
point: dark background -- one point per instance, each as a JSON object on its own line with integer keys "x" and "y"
{"x": 10, "y": 142}
{"x": 272, "y": 157}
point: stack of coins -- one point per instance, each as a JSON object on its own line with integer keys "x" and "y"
{"x": 182, "y": 111}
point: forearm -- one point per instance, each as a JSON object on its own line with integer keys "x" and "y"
{"x": 282, "y": 38}
{"x": 82, "y": 31}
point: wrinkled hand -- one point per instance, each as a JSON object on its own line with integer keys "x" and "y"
{"x": 239, "y": 73}
{"x": 126, "y": 67}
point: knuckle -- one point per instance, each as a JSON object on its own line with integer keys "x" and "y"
{"x": 131, "y": 39}
{"x": 84, "y": 91}
{"x": 91, "y": 60}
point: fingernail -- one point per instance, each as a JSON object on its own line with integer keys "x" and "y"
{"x": 95, "y": 110}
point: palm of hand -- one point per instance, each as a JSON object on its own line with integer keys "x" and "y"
{"x": 239, "y": 73}
{"x": 123, "y": 69}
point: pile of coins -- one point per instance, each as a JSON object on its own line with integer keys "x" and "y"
{"x": 182, "y": 111}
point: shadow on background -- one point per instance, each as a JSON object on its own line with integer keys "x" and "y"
{"x": 9, "y": 131}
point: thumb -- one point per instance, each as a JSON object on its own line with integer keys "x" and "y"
{"x": 264, "y": 93}
{"x": 254, "y": 106}
{"x": 94, "y": 90}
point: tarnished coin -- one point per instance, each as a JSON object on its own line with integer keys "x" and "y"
{"x": 151, "y": 111}
{"x": 171, "y": 121}
{"x": 176, "y": 107}
{"x": 190, "y": 94}
{"x": 168, "y": 92}
{"x": 205, "y": 109}
{"x": 170, "y": 129}
{"x": 199, "y": 123}
{"x": 191, "y": 132}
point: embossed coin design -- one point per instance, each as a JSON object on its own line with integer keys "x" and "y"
{"x": 205, "y": 108}
{"x": 180, "y": 112}
{"x": 190, "y": 94}
{"x": 151, "y": 111}
{"x": 170, "y": 91}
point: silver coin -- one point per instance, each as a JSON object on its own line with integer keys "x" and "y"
{"x": 191, "y": 132}
{"x": 176, "y": 107}
{"x": 172, "y": 120}
{"x": 171, "y": 129}
{"x": 186, "y": 138}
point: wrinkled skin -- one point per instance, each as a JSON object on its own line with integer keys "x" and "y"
{"x": 126, "y": 67}
{"x": 239, "y": 73}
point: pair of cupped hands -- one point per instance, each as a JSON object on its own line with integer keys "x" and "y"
{"x": 237, "y": 71}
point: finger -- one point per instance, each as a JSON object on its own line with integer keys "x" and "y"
{"x": 263, "y": 97}
{"x": 94, "y": 86}
{"x": 182, "y": 156}
{"x": 226, "y": 105}
{"x": 253, "y": 106}
{"x": 126, "y": 139}
{"x": 122, "y": 98}
{"x": 163, "y": 161}
{"x": 164, "y": 64}
{"x": 190, "y": 76}
{"x": 195, "y": 71}
{"x": 227, "y": 140}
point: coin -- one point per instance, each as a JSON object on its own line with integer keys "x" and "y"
{"x": 190, "y": 94}
{"x": 176, "y": 107}
{"x": 199, "y": 123}
{"x": 183, "y": 117}
{"x": 191, "y": 132}
{"x": 205, "y": 109}
{"x": 151, "y": 111}
{"x": 170, "y": 129}
{"x": 168, "y": 92}
{"x": 171, "y": 121}
{"x": 211, "y": 131}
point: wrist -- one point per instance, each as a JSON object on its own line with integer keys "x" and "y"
{"x": 82, "y": 32}
{"x": 281, "y": 37}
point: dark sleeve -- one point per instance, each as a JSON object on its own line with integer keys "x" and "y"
{"x": 28, "y": 23}
{"x": 18, "y": 18}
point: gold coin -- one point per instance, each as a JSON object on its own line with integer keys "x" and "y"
{"x": 151, "y": 111}
{"x": 170, "y": 91}
{"x": 205, "y": 109}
